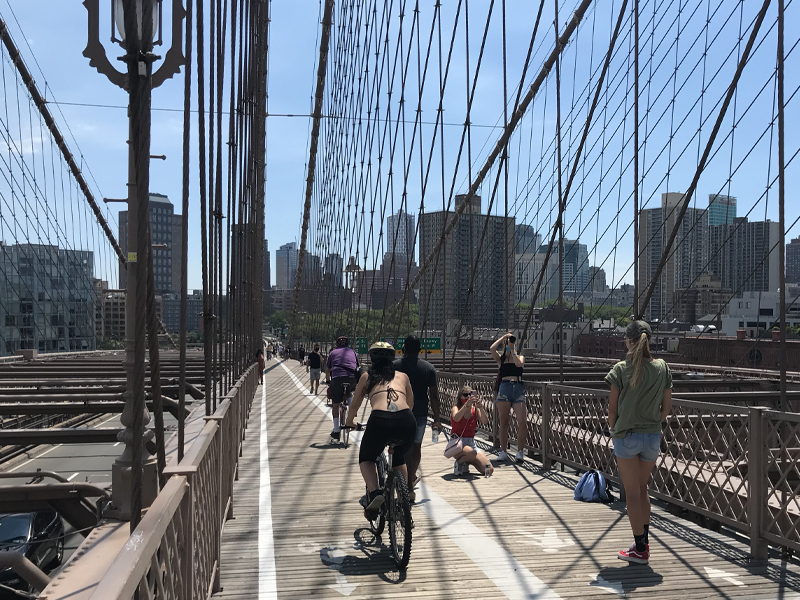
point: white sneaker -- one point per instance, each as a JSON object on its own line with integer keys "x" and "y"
{"x": 503, "y": 455}
{"x": 457, "y": 468}
{"x": 520, "y": 457}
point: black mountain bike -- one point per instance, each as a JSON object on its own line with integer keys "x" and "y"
{"x": 396, "y": 508}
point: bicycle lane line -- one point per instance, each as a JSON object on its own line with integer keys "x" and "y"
{"x": 267, "y": 573}
{"x": 506, "y": 572}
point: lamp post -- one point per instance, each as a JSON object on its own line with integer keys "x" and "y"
{"x": 136, "y": 25}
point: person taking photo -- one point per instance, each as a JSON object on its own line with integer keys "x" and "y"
{"x": 510, "y": 394}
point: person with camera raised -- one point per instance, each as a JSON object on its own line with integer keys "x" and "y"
{"x": 510, "y": 393}
{"x": 464, "y": 417}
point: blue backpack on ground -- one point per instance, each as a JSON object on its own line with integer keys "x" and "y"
{"x": 593, "y": 487}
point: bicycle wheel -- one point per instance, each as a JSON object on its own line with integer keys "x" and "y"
{"x": 399, "y": 512}
{"x": 377, "y": 525}
{"x": 345, "y": 436}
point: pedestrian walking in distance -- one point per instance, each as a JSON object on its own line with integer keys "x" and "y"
{"x": 640, "y": 401}
{"x": 314, "y": 368}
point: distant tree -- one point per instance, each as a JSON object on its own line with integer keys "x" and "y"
{"x": 110, "y": 344}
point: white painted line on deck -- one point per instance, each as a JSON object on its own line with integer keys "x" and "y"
{"x": 73, "y": 476}
{"x": 506, "y": 572}
{"x": 267, "y": 575}
{"x": 27, "y": 462}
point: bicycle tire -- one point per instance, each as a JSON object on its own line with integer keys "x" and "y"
{"x": 377, "y": 525}
{"x": 345, "y": 436}
{"x": 398, "y": 509}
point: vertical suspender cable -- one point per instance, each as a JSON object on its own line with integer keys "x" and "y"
{"x": 201, "y": 171}
{"x": 561, "y": 207}
{"x": 187, "y": 113}
{"x": 636, "y": 311}
{"x": 781, "y": 206}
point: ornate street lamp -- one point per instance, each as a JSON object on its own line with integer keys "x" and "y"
{"x": 136, "y": 25}
{"x": 96, "y": 52}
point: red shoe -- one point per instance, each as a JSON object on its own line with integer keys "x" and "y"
{"x": 634, "y": 556}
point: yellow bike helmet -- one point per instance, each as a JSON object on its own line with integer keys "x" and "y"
{"x": 381, "y": 350}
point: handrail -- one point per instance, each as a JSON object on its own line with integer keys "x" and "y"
{"x": 176, "y": 549}
{"x": 132, "y": 563}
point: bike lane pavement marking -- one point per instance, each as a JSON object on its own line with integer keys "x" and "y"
{"x": 267, "y": 574}
{"x": 500, "y": 566}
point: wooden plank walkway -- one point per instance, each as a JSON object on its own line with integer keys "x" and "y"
{"x": 518, "y": 534}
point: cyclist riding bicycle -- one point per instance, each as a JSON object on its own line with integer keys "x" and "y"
{"x": 340, "y": 370}
{"x": 391, "y": 419}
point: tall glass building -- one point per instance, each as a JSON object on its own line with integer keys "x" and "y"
{"x": 721, "y": 209}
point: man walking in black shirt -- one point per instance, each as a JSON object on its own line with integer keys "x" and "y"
{"x": 314, "y": 369}
{"x": 422, "y": 375}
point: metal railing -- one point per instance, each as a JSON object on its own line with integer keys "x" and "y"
{"x": 174, "y": 553}
{"x": 735, "y": 464}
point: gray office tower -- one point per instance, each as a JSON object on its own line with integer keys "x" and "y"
{"x": 744, "y": 255}
{"x": 47, "y": 299}
{"x": 793, "y": 261}
{"x": 526, "y": 240}
{"x": 334, "y": 270}
{"x": 400, "y": 233}
{"x": 267, "y": 269}
{"x": 575, "y": 270}
{"x": 683, "y": 265}
{"x": 286, "y": 266}
{"x": 165, "y": 228}
{"x": 447, "y": 282}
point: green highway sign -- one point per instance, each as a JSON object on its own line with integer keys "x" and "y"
{"x": 431, "y": 345}
{"x": 361, "y": 345}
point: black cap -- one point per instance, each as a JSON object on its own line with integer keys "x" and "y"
{"x": 637, "y": 328}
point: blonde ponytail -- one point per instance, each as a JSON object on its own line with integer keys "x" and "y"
{"x": 637, "y": 356}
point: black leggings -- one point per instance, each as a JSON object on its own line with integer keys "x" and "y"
{"x": 384, "y": 427}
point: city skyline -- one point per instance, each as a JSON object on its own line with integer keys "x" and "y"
{"x": 96, "y": 113}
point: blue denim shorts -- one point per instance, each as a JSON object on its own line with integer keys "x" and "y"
{"x": 470, "y": 441}
{"x": 511, "y": 391}
{"x": 645, "y": 446}
{"x": 422, "y": 423}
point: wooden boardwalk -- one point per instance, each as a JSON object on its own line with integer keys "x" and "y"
{"x": 518, "y": 534}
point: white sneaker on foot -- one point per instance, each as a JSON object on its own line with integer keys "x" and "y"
{"x": 458, "y": 468}
{"x": 503, "y": 455}
{"x": 520, "y": 457}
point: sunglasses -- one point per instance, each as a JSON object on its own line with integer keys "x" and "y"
{"x": 467, "y": 394}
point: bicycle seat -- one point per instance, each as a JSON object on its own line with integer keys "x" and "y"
{"x": 393, "y": 443}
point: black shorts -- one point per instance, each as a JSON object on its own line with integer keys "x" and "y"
{"x": 384, "y": 427}
{"x": 337, "y": 388}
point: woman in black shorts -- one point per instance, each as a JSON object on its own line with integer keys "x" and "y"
{"x": 391, "y": 419}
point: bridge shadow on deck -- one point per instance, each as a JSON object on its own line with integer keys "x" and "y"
{"x": 314, "y": 495}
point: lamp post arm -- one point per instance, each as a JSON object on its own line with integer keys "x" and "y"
{"x": 96, "y": 52}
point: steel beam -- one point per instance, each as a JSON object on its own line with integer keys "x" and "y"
{"x": 76, "y": 435}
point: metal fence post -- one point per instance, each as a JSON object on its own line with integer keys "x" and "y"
{"x": 757, "y": 479}
{"x": 547, "y": 463}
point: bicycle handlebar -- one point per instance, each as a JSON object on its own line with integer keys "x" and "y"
{"x": 358, "y": 427}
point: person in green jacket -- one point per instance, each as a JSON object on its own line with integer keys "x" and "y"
{"x": 640, "y": 401}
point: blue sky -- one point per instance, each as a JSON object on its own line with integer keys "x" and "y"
{"x": 55, "y": 32}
